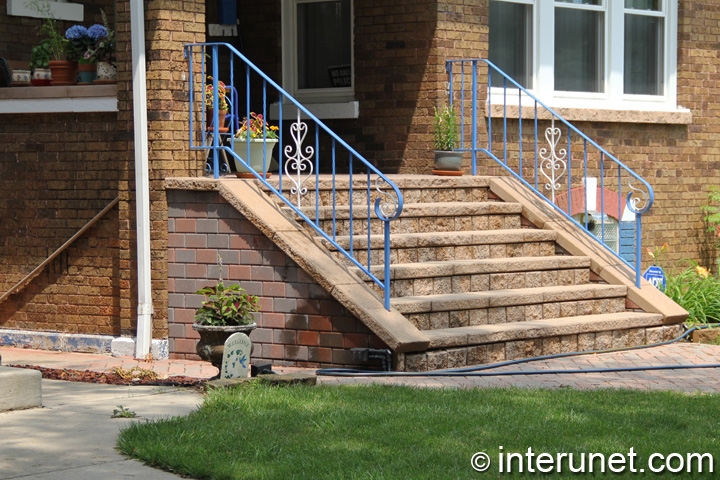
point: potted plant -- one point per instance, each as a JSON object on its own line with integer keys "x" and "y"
{"x": 226, "y": 309}
{"x": 447, "y": 161}
{"x": 40, "y": 57}
{"x": 104, "y": 51}
{"x": 261, "y": 138}
{"x": 81, "y": 47}
{"x": 218, "y": 118}
{"x": 64, "y": 70}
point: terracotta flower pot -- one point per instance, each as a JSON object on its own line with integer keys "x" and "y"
{"x": 64, "y": 72}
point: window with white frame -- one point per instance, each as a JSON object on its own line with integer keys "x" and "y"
{"x": 609, "y": 53}
{"x": 317, "y": 50}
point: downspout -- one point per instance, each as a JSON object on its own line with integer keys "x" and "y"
{"x": 142, "y": 183}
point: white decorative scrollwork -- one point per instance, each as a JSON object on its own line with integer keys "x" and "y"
{"x": 298, "y": 160}
{"x": 638, "y": 200}
{"x": 553, "y": 165}
{"x": 387, "y": 205}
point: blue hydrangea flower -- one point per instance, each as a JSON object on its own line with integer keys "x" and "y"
{"x": 76, "y": 32}
{"x": 97, "y": 31}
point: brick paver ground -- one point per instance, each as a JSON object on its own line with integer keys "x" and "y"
{"x": 687, "y": 380}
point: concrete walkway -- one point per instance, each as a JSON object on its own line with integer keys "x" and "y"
{"x": 73, "y": 435}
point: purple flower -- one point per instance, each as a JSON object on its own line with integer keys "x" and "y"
{"x": 97, "y": 31}
{"x": 76, "y": 32}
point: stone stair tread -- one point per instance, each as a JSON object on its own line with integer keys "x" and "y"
{"x": 503, "y": 298}
{"x": 531, "y": 329}
{"x": 432, "y": 239}
{"x": 480, "y": 266}
{"x": 403, "y": 181}
{"x": 441, "y": 209}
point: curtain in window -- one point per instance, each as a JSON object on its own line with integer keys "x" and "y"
{"x": 579, "y": 53}
{"x": 324, "y": 44}
{"x": 511, "y": 41}
{"x": 644, "y": 53}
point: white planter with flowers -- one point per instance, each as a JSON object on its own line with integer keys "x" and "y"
{"x": 257, "y": 148}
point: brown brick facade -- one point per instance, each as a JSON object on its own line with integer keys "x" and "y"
{"x": 57, "y": 172}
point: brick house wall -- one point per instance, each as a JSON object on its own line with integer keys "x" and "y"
{"x": 299, "y": 323}
{"x": 51, "y": 184}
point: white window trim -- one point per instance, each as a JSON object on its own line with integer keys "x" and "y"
{"x": 60, "y": 10}
{"x": 613, "y": 97}
{"x": 323, "y": 102}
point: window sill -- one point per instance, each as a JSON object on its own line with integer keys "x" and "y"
{"x": 71, "y": 98}
{"x": 681, "y": 116}
{"x": 323, "y": 111}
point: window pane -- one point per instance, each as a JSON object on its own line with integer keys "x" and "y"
{"x": 581, "y": 2}
{"x": 324, "y": 44}
{"x": 653, "y": 5}
{"x": 510, "y": 41}
{"x": 579, "y": 56}
{"x": 643, "y": 55}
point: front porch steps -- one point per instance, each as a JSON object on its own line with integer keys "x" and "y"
{"x": 481, "y": 270}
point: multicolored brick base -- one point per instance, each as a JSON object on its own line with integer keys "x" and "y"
{"x": 300, "y": 324}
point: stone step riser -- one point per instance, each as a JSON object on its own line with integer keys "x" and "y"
{"x": 468, "y": 355}
{"x": 419, "y": 224}
{"x": 341, "y": 196}
{"x": 445, "y": 253}
{"x": 514, "y": 313}
{"x": 440, "y": 285}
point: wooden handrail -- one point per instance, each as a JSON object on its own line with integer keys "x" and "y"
{"x": 26, "y": 280}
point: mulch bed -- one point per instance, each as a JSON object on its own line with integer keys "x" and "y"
{"x": 115, "y": 377}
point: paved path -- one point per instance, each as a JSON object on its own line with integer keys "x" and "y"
{"x": 681, "y": 353}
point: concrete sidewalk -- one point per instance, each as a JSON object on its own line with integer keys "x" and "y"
{"x": 74, "y": 436}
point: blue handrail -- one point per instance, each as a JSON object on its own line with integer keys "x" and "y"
{"x": 297, "y": 162}
{"x": 552, "y": 176}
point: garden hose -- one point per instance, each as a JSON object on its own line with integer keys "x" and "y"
{"x": 480, "y": 370}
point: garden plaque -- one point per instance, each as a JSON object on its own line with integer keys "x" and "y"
{"x": 236, "y": 356}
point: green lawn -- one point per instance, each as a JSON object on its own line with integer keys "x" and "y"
{"x": 379, "y": 432}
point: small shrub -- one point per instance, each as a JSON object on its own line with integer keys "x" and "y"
{"x": 696, "y": 291}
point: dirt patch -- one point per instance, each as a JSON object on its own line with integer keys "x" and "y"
{"x": 116, "y": 377}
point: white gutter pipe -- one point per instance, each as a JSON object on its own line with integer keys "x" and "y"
{"x": 142, "y": 183}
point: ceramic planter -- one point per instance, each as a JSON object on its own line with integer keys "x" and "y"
{"x": 448, "y": 163}
{"x": 211, "y": 345}
{"x": 257, "y": 147}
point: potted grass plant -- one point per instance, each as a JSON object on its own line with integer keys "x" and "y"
{"x": 447, "y": 161}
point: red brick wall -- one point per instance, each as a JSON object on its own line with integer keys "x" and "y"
{"x": 299, "y": 324}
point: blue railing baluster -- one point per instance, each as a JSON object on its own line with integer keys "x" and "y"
{"x": 309, "y": 157}
{"x": 552, "y": 162}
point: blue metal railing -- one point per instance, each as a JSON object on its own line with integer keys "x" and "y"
{"x": 250, "y": 93}
{"x": 574, "y": 174}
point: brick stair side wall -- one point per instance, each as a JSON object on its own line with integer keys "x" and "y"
{"x": 300, "y": 324}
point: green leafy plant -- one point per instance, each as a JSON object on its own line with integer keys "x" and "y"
{"x": 226, "y": 305}
{"x": 712, "y": 217}
{"x": 122, "y": 412}
{"x": 696, "y": 291}
{"x": 40, "y": 55}
{"x": 446, "y": 129}
{"x": 58, "y": 44}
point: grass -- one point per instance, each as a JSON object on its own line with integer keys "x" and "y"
{"x": 384, "y": 432}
